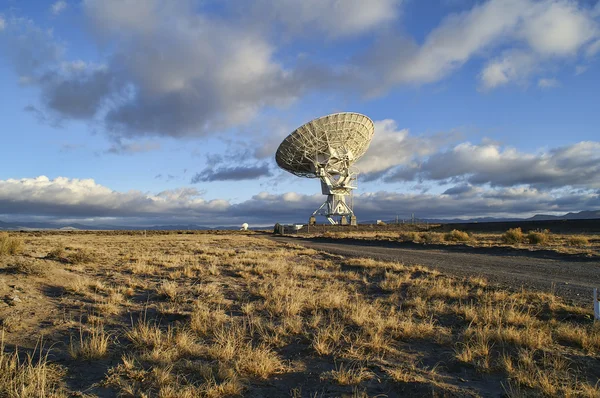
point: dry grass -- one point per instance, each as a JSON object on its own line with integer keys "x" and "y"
{"x": 348, "y": 374}
{"x": 513, "y": 236}
{"x": 168, "y": 289}
{"x": 10, "y": 245}
{"x": 181, "y": 315}
{"x": 28, "y": 266}
{"x": 457, "y": 236}
{"x": 30, "y": 377}
{"x": 578, "y": 241}
{"x": 537, "y": 237}
{"x": 80, "y": 256}
{"x": 588, "y": 245}
{"x": 91, "y": 345}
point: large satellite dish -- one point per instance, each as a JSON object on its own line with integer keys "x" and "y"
{"x": 327, "y": 148}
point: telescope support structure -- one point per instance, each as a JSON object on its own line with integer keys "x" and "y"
{"x": 337, "y": 186}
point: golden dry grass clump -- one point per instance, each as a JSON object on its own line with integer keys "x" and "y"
{"x": 457, "y": 236}
{"x": 29, "y": 375}
{"x": 201, "y": 315}
{"x": 10, "y": 245}
{"x": 538, "y": 237}
{"x": 579, "y": 241}
{"x": 513, "y": 236}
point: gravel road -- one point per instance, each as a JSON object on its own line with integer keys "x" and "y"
{"x": 570, "y": 276}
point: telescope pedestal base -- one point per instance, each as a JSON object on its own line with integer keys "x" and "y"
{"x": 335, "y": 206}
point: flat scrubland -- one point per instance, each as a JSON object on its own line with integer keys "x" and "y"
{"x": 194, "y": 315}
{"x": 588, "y": 244}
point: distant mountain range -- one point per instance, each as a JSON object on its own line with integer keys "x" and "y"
{"x": 76, "y": 226}
{"x": 582, "y": 215}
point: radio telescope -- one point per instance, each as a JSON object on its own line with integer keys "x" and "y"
{"x": 326, "y": 148}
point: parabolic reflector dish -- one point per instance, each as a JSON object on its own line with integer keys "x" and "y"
{"x": 325, "y": 143}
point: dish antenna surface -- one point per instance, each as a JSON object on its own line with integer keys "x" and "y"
{"x": 326, "y": 148}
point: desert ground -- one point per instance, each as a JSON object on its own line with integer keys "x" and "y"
{"x": 585, "y": 244}
{"x": 237, "y": 314}
{"x": 565, "y": 264}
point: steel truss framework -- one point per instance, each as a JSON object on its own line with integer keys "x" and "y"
{"x": 326, "y": 148}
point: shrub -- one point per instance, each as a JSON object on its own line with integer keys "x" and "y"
{"x": 457, "y": 236}
{"x": 512, "y": 236}
{"x": 537, "y": 238}
{"x": 80, "y": 256}
{"x": 10, "y": 245}
{"x": 409, "y": 236}
{"x": 28, "y": 266}
{"x": 431, "y": 237}
{"x": 57, "y": 254}
{"x": 578, "y": 241}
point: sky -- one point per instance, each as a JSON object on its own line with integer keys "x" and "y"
{"x": 151, "y": 112}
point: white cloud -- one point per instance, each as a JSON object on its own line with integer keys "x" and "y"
{"x": 548, "y": 83}
{"x": 575, "y": 166}
{"x": 531, "y": 33}
{"x": 392, "y": 147}
{"x": 512, "y": 66}
{"x": 58, "y": 7}
{"x": 186, "y": 81}
{"x": 74, "y": 199}
{"x": 64, "y": 196}
{"x": 2, "y": 23}
{"x": 458, "y": 38}
{"x": 333, "y": 18}
{"x": 558, "y": 27}
{"x": 178, "y": 70}
{"x": 192, "y": 80}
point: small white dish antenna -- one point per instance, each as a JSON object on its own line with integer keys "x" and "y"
{"x": 244, "y": 227}
{"x": 327, "y": 148}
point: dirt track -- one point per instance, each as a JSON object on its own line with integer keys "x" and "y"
{"x": 570, "y": 276}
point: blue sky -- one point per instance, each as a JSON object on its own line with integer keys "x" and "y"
{"x": 150, "y": 112}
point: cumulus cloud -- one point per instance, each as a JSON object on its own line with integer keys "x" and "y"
{"x": 392, "y": 147}
{"x": 532, "y": 33}
{"x": 294, "y": 207}
{"x": 181, "y": 69}
{"x": 85, "y": 199}
{"x": 58, "y": 7}
{"x": 558, "y": 27}
{"x": 576, "y": 165}
{"x": 202, "y": 76}
{"x": 69, "y": 90}
{"x": 237, "y": 173}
